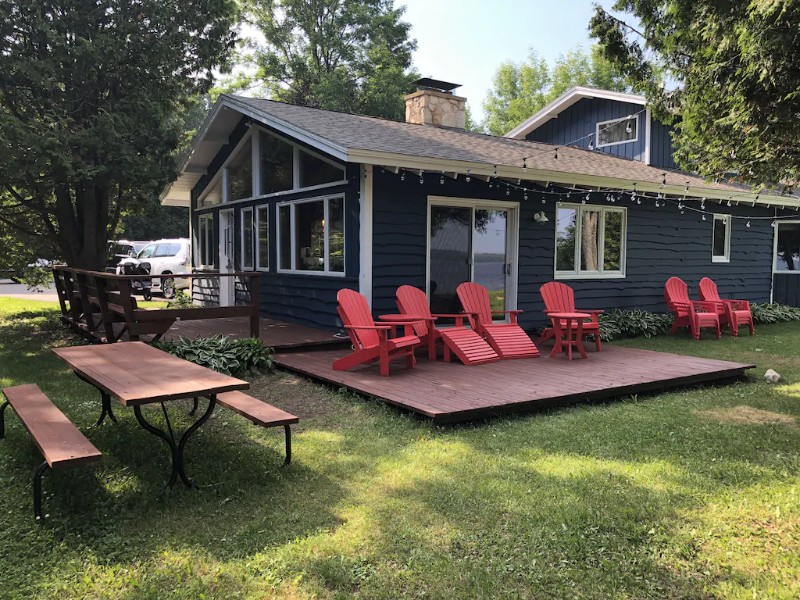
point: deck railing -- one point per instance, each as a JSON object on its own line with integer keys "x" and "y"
{"x": 94, "y": 301}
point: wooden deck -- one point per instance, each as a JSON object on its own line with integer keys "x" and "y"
{"x": 452, "y": 392}
{"x": 282, "y": 336}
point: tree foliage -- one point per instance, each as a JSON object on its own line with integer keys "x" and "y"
{"x": 345, "y": 55}
{"x": 737, "y": 74}
{"x": 520, "y": 89}
{"x": 91, "y": 100}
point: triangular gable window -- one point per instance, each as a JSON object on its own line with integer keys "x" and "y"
{"x": 315, "y": 171}
{"x": 277, "y": 165}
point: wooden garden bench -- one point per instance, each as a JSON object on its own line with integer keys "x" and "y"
{"x": 59, "y": 441}
{"x": 260, "y": 413}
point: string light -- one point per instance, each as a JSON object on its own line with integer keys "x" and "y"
{"x": 441, "y": 179}
{"x": 421, "y": 180}
{"x": 748, "y": 223}
{"x": 403, "y": 176}
{"x": 468, "y": 177}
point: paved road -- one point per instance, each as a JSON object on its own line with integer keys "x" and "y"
{"x": 9, "y": 289}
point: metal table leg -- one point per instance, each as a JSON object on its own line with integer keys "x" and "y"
{"x": 176, "y": 447}
{"x": 105, "y": 399}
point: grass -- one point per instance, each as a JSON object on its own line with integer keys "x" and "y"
{"x": 688, "y": 494}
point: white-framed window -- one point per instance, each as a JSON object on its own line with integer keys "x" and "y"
{"x": 617, "y": 131}
{"x": 721, "y": 239}
{"x": 787, "y": 248}
{"x": 311, "y": 236}
{"x": 248, "y": 238}
{"x": 590, "y": 241}
{"x": 283, "y": 167}
{"x": 262, "y": 238}
{"x": 205, "y": 240}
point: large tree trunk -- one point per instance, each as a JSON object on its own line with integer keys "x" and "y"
{"x": 82, "y": 224}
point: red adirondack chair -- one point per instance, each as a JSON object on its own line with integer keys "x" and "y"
{"x": 465, "y": 343}
{"x": 689, "y": 313}
{"x": 371, "y": 340}
{"x": 559, "y": 297}
{"x": 733, "y": 313}
{"x": 507, "y": 339}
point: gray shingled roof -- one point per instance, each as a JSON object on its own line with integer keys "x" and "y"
{"x": 356, "y": 132}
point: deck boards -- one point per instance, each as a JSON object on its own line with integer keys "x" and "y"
{"x": 451, "y": 392}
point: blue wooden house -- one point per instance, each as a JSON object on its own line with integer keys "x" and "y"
{"x": 318, "y": 200}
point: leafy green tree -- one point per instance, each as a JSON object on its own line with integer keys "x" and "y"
{"x": 737, "y": 79}
{"x": 520, "y": 89}
{"x": 345, "y": 55}
{"x": 91, "y": 101}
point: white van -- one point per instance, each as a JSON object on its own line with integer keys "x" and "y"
{"x": 165, "y": 257}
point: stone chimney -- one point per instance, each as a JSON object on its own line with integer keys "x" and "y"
{"x": 434, "y": 104}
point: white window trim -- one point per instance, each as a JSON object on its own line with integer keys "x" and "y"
{"x": 577, "y": 273}
{"x": 206, "y": 239}
{"x": 726, "y": 258}
{"x": 628, "y": 118}
{"x": 775, "y": 250}
{"x": 254, "y": 134}
{"x": 258, "y": 265}
{"x": 251, "y": 210}
{"x": 294, "y": 270}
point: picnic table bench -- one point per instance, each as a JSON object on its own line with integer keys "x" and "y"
{"x": 59, "y": 441}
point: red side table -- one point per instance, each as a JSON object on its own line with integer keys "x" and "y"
{"x": 568, "y": 328}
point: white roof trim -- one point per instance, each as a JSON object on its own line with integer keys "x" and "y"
{"x": 566, "y": 100}
{"x": 172, "y": 197}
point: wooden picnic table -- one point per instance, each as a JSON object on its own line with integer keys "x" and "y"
{"x": 137, "y": 374}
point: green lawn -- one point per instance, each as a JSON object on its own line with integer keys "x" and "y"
{"x": 690, "y": 494}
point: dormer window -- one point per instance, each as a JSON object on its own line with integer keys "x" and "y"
{"x": 617, "y": 131}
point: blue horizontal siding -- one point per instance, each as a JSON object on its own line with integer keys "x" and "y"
{"x": 661, "y": 147}
{"x": 572, "y": 127}
{"x": 787, "y": 289}
{"x": 661, "y": 243}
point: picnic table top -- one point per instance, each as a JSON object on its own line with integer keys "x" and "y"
{"x": 135, "y": 373}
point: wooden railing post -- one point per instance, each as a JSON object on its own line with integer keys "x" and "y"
{"x": 255, "y": 317}
{"x": 62, "y": 295}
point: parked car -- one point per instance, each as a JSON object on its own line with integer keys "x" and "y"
{"x": 166, "y": 257}
{"x": 121, "y": 249}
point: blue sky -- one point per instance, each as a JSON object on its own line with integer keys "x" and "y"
{"x": 464, "y": 41}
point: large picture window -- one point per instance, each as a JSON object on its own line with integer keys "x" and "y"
{"x": 262, "y": 238}
{"x": 590, "y": 241}
{"x": 205, "y": 239}
{"x": 248, "y": 239}
{"x": 311, "y": 236}
{"x": 787, "y": 248}
{"x": 617, "y": 131}
{"x": 721, "y": 239}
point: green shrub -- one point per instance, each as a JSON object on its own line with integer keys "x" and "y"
{"x": 181, "y": 300}
{"x": 774, "y": 313}
{"x": 223, "y": 354}
{"x": 618, "y": 323}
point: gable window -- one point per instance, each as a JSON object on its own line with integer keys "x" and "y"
{"x": 248, "y": 238}
{"x": 315, "y": 171}
{"x": 721, "y": 239}
{"x": 240, "y": 174}
{"x": 277, "y": 164}
{"x": 311, "y": 236}
{"x": 262, "y": 238}
{"x": 617, "y": 131}
{"x": 213, "y": 195}
{"x": 205, "y": 239}
{"x": 590, "y": 241}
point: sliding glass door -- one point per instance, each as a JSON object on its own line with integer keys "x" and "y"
{"x": 471, "y": 243}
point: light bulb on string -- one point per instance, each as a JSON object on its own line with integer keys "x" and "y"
{"x": 774, "y": 223}
{"x": 657, "y": 204}
{"x": 421, "y": 180}
{"x": 748, "y": 223}
{"x": 468, "y": 178}
{"x": 508, "y": 191}
{"x": 441, "y": 179}
{"x": 729, "y": 201}
{"x": 638, "y": 201}
{"x": 704, "y": 216}
{"x": 703, "y": 204}
{"x": 403, "y": 176}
